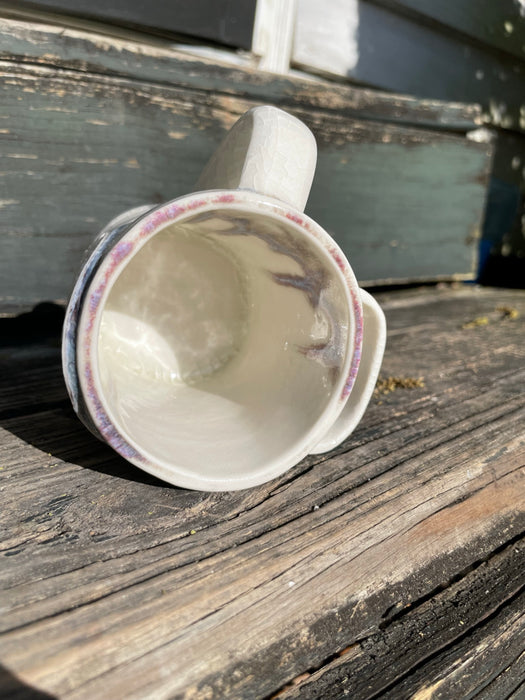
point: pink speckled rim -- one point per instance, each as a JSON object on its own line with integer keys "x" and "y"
{"x": 115, "y": 261}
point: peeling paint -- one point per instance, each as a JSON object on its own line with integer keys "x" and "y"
{"x": 104, "y": 99}
{"x": 95, "y": 161}
{"x": 427, "y": 692}
{"x": 54, "y": 109}
{"x": 8, "y": 202}
{"x": 28, "y": 156}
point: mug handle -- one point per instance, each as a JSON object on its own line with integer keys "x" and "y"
{"x": 374, "y": 340}
{"x": 267, "y": 151}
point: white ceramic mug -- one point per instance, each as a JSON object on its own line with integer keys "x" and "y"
{"x": 216, "y": 340}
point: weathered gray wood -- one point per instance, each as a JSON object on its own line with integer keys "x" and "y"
{"x": 468, "y": 669}
{"x": 432, "y": 647}
{"x": 78, "y": 147}
{"x": 115, "y": 585}
{"x": 380, "y": 47}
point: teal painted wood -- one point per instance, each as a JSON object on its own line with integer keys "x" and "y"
{"x": 418, "y": 215}
{"x": 77, "y": 148}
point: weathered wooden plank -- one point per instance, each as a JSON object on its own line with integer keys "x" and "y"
{"x": 468, "y": 669}
{"x": 117, "y": 585}
{"x": 509, "y": 684}
{"x": 78, "y": 148}
{"x": 224, "y": 21}
{"x": 462, "y": 626}
{"x": 59, "y": 47}
{"x": 378, "y": 47}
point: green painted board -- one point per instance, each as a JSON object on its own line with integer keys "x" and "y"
{"x": 417, "y": 219}
{"x": 77, "y": 147}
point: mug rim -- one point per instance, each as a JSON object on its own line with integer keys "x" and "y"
{"x": 109, "y": 265}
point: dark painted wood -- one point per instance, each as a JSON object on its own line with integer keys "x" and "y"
{"x": 502, "y": 247}
{"x": 500, "y": 24}
{"x": 57, "y": 47}
{"x": 227, "y": 22}
{"x": 406, "y": 538}
{"x": 376, "y": 44}
{"x": 92, "y": 126}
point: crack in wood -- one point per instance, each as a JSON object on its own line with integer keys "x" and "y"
{"x": 372, "y": 647}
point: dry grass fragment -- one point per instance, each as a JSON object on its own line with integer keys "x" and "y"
{"x": 508, "y": 312}
{"x": 500, "y": 313}
{"x": 478, "y": 321}
{"x": 389, "y": 384}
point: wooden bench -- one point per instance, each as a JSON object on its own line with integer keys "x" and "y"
{"x": 391, "y": 567}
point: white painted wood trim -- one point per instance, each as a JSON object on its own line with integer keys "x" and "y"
{"x": 326, "y": 38}
{"x": 273, "y": 34}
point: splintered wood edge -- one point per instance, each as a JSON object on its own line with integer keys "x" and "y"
{"x": 430, "y": 644}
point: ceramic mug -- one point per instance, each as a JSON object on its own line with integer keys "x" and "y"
{"x": 216, "y": 340}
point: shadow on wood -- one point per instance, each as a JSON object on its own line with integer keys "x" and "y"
{"x": 33, "y": 386}
{"x": 12, "y": 688}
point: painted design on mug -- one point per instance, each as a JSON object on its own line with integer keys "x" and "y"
{"x": 313, "y": 282}
{"x": 93, "y": 257}
{"x": 106, "y": 242}
{"x": 341, "y": 262}
{"x": 310, "y": 283}
{"x": 358, "y": 345}
{"x": 224, "y": 199}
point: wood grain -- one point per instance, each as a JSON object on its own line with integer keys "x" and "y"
{"x": 115, "y": 585}
{"x": 90, "y": 127}
{"x": 431, "y": 649}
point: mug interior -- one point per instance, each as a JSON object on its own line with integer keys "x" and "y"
{"x": 223, "y": 343}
